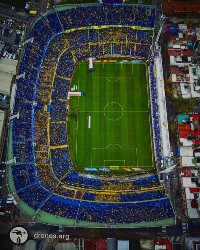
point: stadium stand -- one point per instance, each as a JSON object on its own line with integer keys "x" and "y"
{"x": 44, "y": 176}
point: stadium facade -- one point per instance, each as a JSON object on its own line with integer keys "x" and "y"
{"x": 41, "y": 176}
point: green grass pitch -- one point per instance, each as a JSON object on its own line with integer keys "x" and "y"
{"x": 116, "y": 99}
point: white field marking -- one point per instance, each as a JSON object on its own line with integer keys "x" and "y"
{"x": 91, "y": 161}
{"x": 78, "y": 89}
{"x": 115, "y": 160}
{"x": 78, "y": 100}
{"x": 89, "y": 121}
{"x": 114, "y": 103}
{"x": 108, "y": 79}
{"x": 77, "y": 121}
{"x": 144, "y": 166}
{"x": 109, "y": 145}
{"x": 114, "y": 63}
{"x": 77, "y": 125}
{"x": 124, "y": 111}
{"x": 112, "y": 77}
{"x": 136, "y": 152}
{"x": 76, "y": 136}
{"x": 76, "y": 147}
{"x": 116, "y": 119}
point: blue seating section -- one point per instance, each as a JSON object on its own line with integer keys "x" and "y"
{"x": 58, "y": 134}
{"x": 66, "y": 60}
{"x": 34, "y": 195}
{"x": 145, "y": 196}
{"x": 146, "y": 182}
{"x": 54, "y": 23}
{"x": 60, "y": 161}
{"x": 60, "y": 89}
{"x": 89, "y": 196}
{"x": 74, "y": 179}
{"x": 58, "y": 111}
{"x": 24, "y": 175}
{"x": 32, "y": 58}
{"x": 41, "y": 34}
{"x": 105, "y": 213}
{"x": 144, "y": 36}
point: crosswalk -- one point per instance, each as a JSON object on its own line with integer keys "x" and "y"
{"x": 184, "y": 227}
{"x": 164, "y": 229}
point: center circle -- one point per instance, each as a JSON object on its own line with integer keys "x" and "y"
{"x": 113, "y": 111}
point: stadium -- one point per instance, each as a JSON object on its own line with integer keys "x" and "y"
{"x": 87, "y": 133}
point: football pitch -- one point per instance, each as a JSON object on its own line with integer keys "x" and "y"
{"x": 110, "y": 124}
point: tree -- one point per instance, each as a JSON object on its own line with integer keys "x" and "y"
{"x": 169, "y": 87}
{"x": 189, "y": 22}
{"x": 92, "y": 234}
{"x": 184, "y": 105}
{"x": 173, "y": 130}
{"x": 165, "y": 46}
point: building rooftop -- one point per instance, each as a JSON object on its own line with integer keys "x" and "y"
{"x": 7, "y": 70}
{"x": 188, "y": 161}
{"x": 186, "y": 151}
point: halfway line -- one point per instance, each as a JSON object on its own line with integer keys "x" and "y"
{"x": 128, "y": 111}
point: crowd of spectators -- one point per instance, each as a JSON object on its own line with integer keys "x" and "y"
{"x": 60, "y": 161}
{"x": 109, "y": 212}
{"x": 155, "y": 115}
{"x": 47, "y": 177}
{"x": 34, "y": 195}
{"x": 143, "y": 196}
{"x": 24, "y": 175}
{"x": 58, "y": 111}
{"x": 60, "y": 88}
{"x": 101, "y": 15}
{"x": 41, "y": 137}
{"x": 108, "y": 197}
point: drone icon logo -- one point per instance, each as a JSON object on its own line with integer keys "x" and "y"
{"x": 18, "y": 235}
